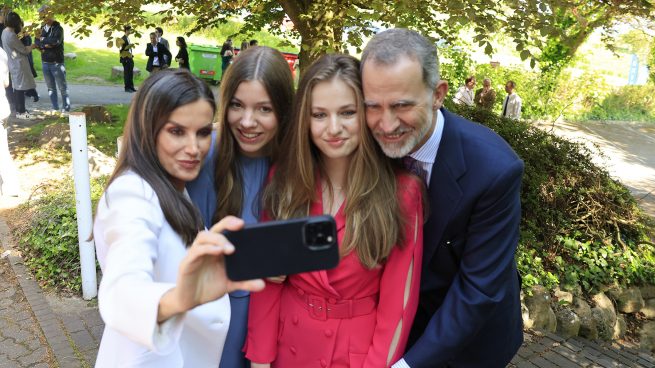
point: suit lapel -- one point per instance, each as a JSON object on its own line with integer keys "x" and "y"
{"x": 444, "y": 192}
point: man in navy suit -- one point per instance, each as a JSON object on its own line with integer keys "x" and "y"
{"x": 469, "y": 312}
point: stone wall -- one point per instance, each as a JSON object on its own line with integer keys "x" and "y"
{"x": 602, "y": 318}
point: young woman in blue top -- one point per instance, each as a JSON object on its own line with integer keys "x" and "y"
{"x": 255, "y": 101}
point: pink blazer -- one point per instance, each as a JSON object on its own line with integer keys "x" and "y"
{"x": 347, "y": 316}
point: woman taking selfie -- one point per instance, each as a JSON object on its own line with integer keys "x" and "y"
{"x": 162, "y": 295}
{"x": 256, "y": 96}
{"x": 359, "y": 313}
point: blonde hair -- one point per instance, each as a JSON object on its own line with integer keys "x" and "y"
{"x": 373, "y": 221}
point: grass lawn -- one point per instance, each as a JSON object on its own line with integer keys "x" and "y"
{"x": 93, "y": 66}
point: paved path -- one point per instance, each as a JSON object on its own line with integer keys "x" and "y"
{"x": 39, "y": 330}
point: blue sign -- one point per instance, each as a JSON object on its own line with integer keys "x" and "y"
{"x": 634, "y": 70}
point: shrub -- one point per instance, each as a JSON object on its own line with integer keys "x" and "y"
{"x": 47, "y": 235}
{"x": 629, "y": 103}
{"x": 579, "y": 226}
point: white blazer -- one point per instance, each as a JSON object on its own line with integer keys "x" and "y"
{"x": 139, "y": 254}
{"x": 512, "y": 106}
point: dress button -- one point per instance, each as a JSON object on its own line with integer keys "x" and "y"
{"x": 328, "y": 333}
{"x": 332, "y": 300}
{"x": 323, "y": 363}
{"x": 293, "y": 350}
{"x": 295, "y": 319}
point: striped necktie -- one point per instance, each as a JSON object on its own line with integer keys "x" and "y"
{"x": 414, "y": 166}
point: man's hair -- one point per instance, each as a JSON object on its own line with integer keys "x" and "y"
{"x": 511, "y": 84}
{"x": 127, "y": 28}
{"x": 161, "y": 31}
{"x": 43, "y": 8}
{"x": 469, "y": 79}
{"x": 387, "y": 47}
{"x": 253, "y": 42}
{"x": 486, "y": 80}
{"x": 153, "y": 34}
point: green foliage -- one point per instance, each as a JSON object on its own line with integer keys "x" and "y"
{"x": 628, "y": 103}
{"x": 651, "y": 62}
{"x": 456, "y": 64}
{"x": 579, "y": 226}
{"x": 329, "y": 25}
{"x": 48, "y": 237}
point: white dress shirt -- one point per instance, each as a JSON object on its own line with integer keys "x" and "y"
{"x": 463, "y": 96}
{"x": 427, "y": 153}
{"x": 512, "y": 106}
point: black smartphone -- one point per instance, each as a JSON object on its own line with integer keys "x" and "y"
{"x": 283, "y": 248}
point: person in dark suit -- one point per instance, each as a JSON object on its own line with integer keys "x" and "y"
{"x": 127, "y": 59}
{"x": 157, "y": 55}
{"x": 469, "y": 312}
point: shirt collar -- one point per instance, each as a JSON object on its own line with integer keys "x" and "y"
{"x": 428, "y": 151}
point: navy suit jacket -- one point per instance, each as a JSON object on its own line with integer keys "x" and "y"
{"x": 162, "y": 54}
{"x": 469, "y": 311}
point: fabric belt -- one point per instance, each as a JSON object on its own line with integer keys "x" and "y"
{"x": 329, "y": 308}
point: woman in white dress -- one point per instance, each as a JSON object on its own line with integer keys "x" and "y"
{"x": 162, "y": 295}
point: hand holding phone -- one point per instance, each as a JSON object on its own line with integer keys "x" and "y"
{"x": 275, "y": 248}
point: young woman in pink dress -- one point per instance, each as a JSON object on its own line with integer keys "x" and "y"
{"x": 359, "y": 313}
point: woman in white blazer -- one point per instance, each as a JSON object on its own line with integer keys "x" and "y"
{"x": 162, "y": 294}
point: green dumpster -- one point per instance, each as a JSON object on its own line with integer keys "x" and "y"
{"x": 205, "y": 62}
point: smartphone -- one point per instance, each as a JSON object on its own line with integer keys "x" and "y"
{"x": 283, "y": 248}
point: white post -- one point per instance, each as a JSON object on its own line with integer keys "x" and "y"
{"x": 79, "y": 148}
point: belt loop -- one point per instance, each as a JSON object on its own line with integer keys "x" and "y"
{"x": 350, "y": 308}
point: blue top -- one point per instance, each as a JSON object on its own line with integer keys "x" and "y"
{"x": 201, "y": 190}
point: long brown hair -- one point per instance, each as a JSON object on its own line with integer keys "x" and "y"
{"x": 267, "y": 66}
{"x": 153, "y": 104}
{"x": 373, "y": 221}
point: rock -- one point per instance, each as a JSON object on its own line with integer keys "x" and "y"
{"x": 563, "y": 296}
{"x": 647, "y": 337}
{"x": 97, "y": 113}
{"x": 627, "y": 300}
{"x": 647, "y": 292}
{"x": 117, "y": 72}
{"x": 649, "y": 309}
{"x": 70, "y": 55}
{"x": 606, "y": 306}
{"x": 99, "y": 163}
{"x": 525, "y": 315}
{"x": 568, "y": 323}
{"x": 56, "y": 136}
{"x": 587, "y": 323}
{"x": 604, "y": 323}
{"x": 620, "y": 327}
{"x": 541, "y": 315}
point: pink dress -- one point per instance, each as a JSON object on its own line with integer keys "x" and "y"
{"x": 349, "y": 316}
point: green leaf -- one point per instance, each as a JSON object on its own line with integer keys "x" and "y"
{"x": 525, "y": 54}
